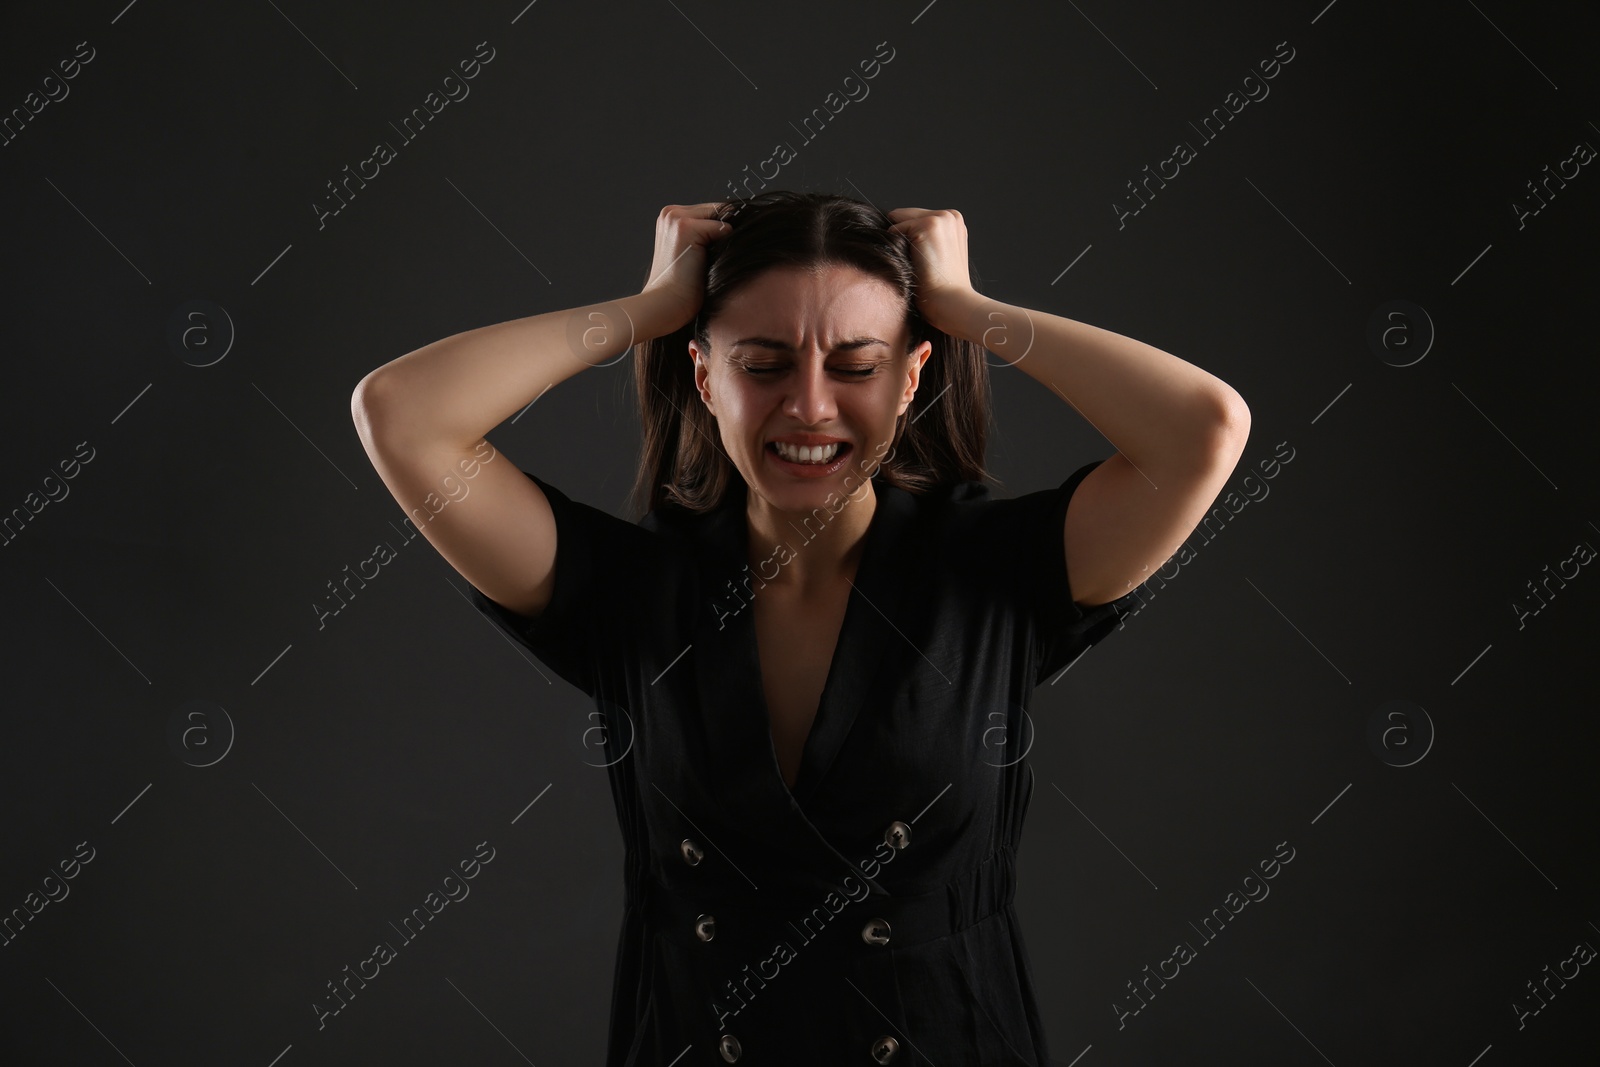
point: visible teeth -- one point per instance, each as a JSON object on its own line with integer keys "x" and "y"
{"x": 802, "y": 454}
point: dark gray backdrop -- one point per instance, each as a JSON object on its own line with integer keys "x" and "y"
{"x": 248, "y": 795}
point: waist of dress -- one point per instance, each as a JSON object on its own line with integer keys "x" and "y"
{"x": 845, "y": 916}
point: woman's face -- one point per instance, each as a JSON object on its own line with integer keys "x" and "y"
{"x": 803, "y": 358}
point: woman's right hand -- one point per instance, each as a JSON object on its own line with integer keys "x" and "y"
{"x": 677, "y": 282}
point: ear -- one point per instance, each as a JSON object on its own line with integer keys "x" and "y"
{"x": 702, "y": 373}
{"x": 918, "y": 357}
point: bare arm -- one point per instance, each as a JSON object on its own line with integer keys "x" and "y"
{"x": 1178, "y": 430}
{"x": 423, "y": 417}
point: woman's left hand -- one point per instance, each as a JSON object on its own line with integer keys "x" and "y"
{"x": 939, "y": 254}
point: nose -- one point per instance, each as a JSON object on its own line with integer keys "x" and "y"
{"x": 811, "y": 402}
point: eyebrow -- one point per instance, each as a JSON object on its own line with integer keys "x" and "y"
{"x": 776, "y": 345}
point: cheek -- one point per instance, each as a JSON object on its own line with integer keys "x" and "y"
{"x": 743, "y": 408}
{"x": 875, "y": 406}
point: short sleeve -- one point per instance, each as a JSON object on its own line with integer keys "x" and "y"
{"x": 568, "y": 635}
{"x": 1021, "y": 538}
{"x": 1064, "y": 628}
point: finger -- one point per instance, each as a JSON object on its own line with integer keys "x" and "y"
{"x": 695, "y": 211}
{"x": 709, "y": 227}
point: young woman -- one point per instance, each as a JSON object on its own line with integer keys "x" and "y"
{"x": 813, "y": 652}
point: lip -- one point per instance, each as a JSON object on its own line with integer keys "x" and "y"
{"x": 809, "y": 470}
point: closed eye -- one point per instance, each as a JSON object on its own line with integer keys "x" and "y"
{"x": 854, "y": 372}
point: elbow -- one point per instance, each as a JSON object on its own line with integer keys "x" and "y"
{"x": 366, "y": 405}
{"x": 1230, "y": 428}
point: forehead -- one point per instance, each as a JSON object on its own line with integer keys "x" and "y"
{"x": 824, "y": 304}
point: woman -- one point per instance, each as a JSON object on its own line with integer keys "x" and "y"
{"x": 813, "y": 653}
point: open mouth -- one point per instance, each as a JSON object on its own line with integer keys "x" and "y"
{"x": 812, "y": 455}
{"x": 814, "y": 461}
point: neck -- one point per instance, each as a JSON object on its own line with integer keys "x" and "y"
{"x": 811, "y": 550}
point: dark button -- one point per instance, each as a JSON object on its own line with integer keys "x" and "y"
{"x": 729, "y": 1047}
{"x": 884, "y": 1048}
{"x": 898, "y": 835}
{"x": 876, "y": 932}
{"x": 691, "y": 852}
{"x": 705, "y": 928}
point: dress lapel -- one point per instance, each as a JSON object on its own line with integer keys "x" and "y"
{"x": 864, "y": 659}
{"x": 743, "y": 772}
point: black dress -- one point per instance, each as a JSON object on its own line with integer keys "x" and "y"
{"x": 866, "y": 916}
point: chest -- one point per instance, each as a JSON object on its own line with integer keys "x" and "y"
{"x": 797, "y": 640}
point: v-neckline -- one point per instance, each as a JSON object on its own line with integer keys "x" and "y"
{"x": 840, "y": 664}
{"x": 872, "y": 657}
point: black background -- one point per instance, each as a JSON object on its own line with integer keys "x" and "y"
{"x": 352, "y": 766}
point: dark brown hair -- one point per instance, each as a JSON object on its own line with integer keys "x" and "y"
{"x": 939, "y": 439}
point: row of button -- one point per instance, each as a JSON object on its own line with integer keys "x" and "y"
{"x": 875, "y": 932}
{"x": 882, "y": 1050}
{"x": 897, "y": 836}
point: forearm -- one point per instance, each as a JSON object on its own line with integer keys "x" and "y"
{"x": 455, "y": 390}
{"x": 1159, "y": 411}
